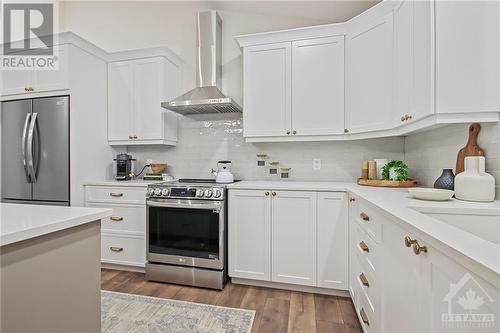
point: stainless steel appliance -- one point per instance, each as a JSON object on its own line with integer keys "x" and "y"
{"x": 206, "y": 97}
{"x": 124, "y": 166}
{"x": 186, "y": 233}
{"x": 35, "y": 151}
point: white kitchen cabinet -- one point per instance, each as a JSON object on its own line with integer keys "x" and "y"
{"x": 249, "y": 234}
{"x": 369, "y": 47}
{"x": 332, "y": 240}
{"x": 318, "y": 86}
{"x": 413, "y": 61}
{"x": 294, "y": 237}
{"x": 267, "y": 90}
{"x": 136, "y": 89}
{"x": 17, "y": 82}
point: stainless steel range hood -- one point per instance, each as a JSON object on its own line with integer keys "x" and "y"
{"x": 207, "y": 97}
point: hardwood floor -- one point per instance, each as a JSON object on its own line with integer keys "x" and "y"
{"x": 276, "y": 310}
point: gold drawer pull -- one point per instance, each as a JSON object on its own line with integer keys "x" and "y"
{"x": 364, "y": 280}
{"x": 116, "y": 249}
{"x": 273, "y": 194}
{"x": 364, "y": 317}
{"x": 364, "y": 247}
{"x": 409, "y": 242}
{"x": 364, "y": 217}
{"x": 114, "y": 194}
{"x": 417, "y": 248}
{"x": 352, "y": 199}
{"x": 116, "y": 218}
{"x": 267, "y": 194}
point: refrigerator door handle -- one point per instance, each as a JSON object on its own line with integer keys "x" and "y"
{"x": 31, "y": 167}
{"x": 23, "y": 146}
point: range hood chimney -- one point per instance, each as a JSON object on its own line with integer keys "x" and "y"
{"x": 206, "y": 97}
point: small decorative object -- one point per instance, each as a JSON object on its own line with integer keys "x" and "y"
{"x": 395, "y": 170}
{"x": 364, "y": 170}
{"x": 273, "y": 168}
{"x": 285, "y": 173}
{"x": 432, "y": 194}
{"x": 261, "y": 160}
{"x": 380, "y": 162}
{"x": 470, "y": 149}
{"x": 372, "y": 170}
{"x": 474, "y": 184}
{"x": 446, "y": 181}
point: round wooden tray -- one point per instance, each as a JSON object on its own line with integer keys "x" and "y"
{"x": 387, "y": 183}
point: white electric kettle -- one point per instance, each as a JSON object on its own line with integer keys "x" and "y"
{"x": 223, "y": 173}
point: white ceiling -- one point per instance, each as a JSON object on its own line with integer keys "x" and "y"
{"x": 324, "y": 11}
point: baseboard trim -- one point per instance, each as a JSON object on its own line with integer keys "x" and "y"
{"x": 294, "y": 287}
{"x": 123, "y": 267}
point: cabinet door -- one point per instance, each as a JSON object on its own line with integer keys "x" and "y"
{"x": 267, "y": 90}
{"x": 58, "y": 79}
{"x": 294, "y": 237}
{"x": 15, "y": 81}
{"x": 406, "y": 284}
{"x": 120, "y": 100}
{"x": 149, "y": 84}
{"x": 413, "y": 61}
{"x": 369, "y": 76}
{"x": 318, "y": 86}
{"x": 332, "y": 240}
{"x": 249, "y": 234}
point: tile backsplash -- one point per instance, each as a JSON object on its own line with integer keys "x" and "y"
{"x": 204, "y": 140}
{"x": 429, "y": 152}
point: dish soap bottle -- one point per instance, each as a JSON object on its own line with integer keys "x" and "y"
{"x": 474, "y": 184}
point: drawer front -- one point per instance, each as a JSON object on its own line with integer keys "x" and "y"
{"x": 370, "y": 321}
{"x": 119, "y": 194}
{"x": 370, "y": 220}
{"x": 123, "y": 250}
{"x": 366, "y": 250}
{"x": 124, "y": 218}
{"x": 367, "y": 283}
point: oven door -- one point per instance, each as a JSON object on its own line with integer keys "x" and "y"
{"x": 186, "y": 232}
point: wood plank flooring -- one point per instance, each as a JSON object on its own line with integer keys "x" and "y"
{"x": 276, "y": 310}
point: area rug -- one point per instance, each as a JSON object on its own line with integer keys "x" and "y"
{"x": 127, "y": 313}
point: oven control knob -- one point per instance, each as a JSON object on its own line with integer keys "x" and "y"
{"x": 208, "y": 193}
{"x": 157, "y": 191}
{"x": 151, "y": 191}
{"x": 199, "y": 193}
{"x": 165, "y": 192}
{"x": 217, "y": 193}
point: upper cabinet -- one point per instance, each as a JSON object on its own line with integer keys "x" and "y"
{"x": 369, "y": 75}
{"x": 136, "y": 89}
{"x": 409, "y": 66}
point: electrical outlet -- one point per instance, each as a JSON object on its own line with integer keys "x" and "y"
{"x": 316, "y": 164}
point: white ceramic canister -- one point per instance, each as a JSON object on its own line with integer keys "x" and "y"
{"x": 380, "y": 162}
{"x": 474, "y": 184}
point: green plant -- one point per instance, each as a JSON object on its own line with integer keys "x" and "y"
{"x": 399, "y": 168}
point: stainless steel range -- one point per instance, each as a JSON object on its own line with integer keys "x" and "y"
{"x": 186, "y": 233}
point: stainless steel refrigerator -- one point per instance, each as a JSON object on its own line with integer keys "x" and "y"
{"x": 35, "y": 151}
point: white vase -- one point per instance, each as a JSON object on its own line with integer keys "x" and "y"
{"x": 380, "y": 162}
{"x": 474, "y": 184}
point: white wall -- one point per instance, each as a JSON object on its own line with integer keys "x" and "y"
{"x": 428, "y": 153}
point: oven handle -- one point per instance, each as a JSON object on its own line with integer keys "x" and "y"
{"x": 216, "y": 206}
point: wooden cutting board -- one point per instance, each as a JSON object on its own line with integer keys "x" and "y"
{"x": 470, "y": 149}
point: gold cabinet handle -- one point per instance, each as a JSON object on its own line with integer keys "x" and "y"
{"x": 364, "y": 247}
{"x": 364, "y": 280}
{"x": 273, "y": 194}
{"x": 409, "y": 116}
{"x": 115, "y": 194}
{"x": 130, "y": 136}
{"x": 364, "y": 317}
{"x": 287, "y": 132}
{"x": 26, "y": 89}
{"x": 418, "y": 249}
{"x": 116, "y": 249}
{"x": 116, "y": 218}
{"x": 364, "y": 217}
{"x": 409, "y": 242}
{"x": 135, "y": 136}
{"x": 403, "y": 118}
{"x": 294, "y": 132}
{"x": 352, "y": 199}
{"x": 267, "y": 194}
{"x": 346, "y": 130}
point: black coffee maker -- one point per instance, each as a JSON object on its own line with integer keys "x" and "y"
{"x": 124, "y": 166}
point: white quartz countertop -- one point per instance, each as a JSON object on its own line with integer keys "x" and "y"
{"x": 128, "y": 183}
{"x": 20, "y": 222}
{"x": 397, "y": 203}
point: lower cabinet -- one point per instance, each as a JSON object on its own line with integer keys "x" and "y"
{"x": 123, "y": 235}
{"x": 295, "y": 237}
